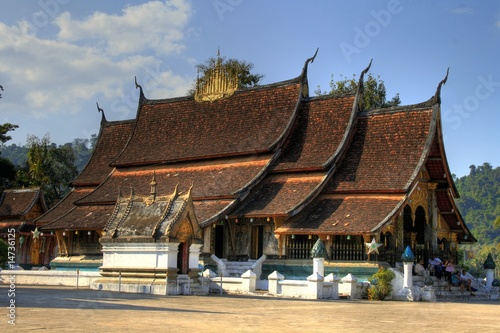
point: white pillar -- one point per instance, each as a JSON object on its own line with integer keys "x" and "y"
{"x": 319, "y": 266}
{"x": 171, "y": 250}
{"x": 274, "y": 283}
{"x": 248, "y": 281}
{"x": 334, "y": 279}
{"x": 350, "y": 283}
{"x": 408, "y": 275}
{"x": 315, "y": 286}
{"x": 194, "y": 255}
{"x": 489, "y": 277}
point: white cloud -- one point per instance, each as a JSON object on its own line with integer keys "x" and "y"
{"x": 94, "y": 57}
{"x": 155, "y": 25}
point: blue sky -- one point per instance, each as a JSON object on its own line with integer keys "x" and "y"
{"x": 59, "y": 57}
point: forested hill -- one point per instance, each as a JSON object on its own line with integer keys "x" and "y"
{"x": 479, "y": 202}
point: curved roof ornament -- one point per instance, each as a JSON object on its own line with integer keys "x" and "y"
{"x": 305, "y": 84}
{"x": 103, "y": 119}
{"x": 362, "y": 76}
{"x": 141, "y": 96}
{"x": 437, "y": 95}
{"x": 361, "y": 85}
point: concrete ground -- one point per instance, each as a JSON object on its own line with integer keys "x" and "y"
{"x": 63, "y": 309}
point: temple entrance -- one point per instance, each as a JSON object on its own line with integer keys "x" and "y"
{"x": 219, "y": 241}
{"x": 257, "y": 242}
{"x": 183, "y": 258}
{"x": 35, "y": 251}
{"x": 421, "y": 246}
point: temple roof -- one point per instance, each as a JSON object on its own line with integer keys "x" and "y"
{"x": 272, "y": 150}
{"x": 342, "y": 214}
{"x": 16, "y": 203}
{"x": 82, "y": 218}
{"x": 386, "y": 151}
{"x": 253, "y": 120}
{"x": 150, "y": 217}
{"x": 63, "y": 207}
{"x": 318, "y": 132}
{"x": 279, "y": 194}
{"x": 221, "y": 178}
{"x": 112, "y": 138}
{"x": 110, "y": 142}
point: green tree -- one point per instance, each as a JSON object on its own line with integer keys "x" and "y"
{"x": 7, "y": 168}
{"x": 48, "y": 166}
{"x": 4, "y": 251}
{"x": 4, "y": 129}
{"x": 232, "y": 66}
{"x": 374, "y": 93}
{"x": 381, "y": 286}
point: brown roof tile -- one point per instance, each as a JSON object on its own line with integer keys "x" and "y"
{"x": 252, "y": 120}
{"x": 83, "y": 218}
{"x": 279, "y": 193}
{"x": 110, "y": 143}
{"x": 342, "y": 214}
{"x": 64, "y": 206}
{"x": 210, "y": 209}
{"x": 221, "y": 178}
{"x": 384, "y": 153}
{"x": 18, "y": 202}
{"x": 319, "y": 129}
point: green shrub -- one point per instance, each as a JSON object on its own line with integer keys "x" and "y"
{"x": 4, "y": 248}
{"x": 380, "y": 284}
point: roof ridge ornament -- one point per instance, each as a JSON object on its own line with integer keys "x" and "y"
{"x": 361, "y": 84}
{"x": 217, "y": 83}
{"x": 138, "y": 86}
{"x": 304, "y": 81}
{"x": 437, "y": 95}
{"x": 362, "y": 76}
{"x": 103, "y": 119}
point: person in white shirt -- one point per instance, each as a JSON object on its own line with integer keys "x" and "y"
{"x": 466, "y": 279}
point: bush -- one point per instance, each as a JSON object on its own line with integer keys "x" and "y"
{"x": 4, "y": 248}
{"x": 381, "y": 284}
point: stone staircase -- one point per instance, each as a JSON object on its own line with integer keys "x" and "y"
{"x": 237, "y": 268}
{"x": 445, "y": 292}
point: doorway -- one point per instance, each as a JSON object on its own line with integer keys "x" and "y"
{"x": 183, "y": 258}
{"x": 219, "y": 241}
{"x": 257, "y": 242}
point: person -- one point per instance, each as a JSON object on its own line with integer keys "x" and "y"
{"x": 419, "y": 268}
{"x": 455, "y": 280}
{"x": 466, "y": 280}
{"x": 436, "y": 266}
{"x": 449, "y": 269}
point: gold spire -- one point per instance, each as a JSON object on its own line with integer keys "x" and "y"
{"x": 217, "y": 83}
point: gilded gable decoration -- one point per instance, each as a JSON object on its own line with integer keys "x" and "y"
{"x": 217, "y": 83}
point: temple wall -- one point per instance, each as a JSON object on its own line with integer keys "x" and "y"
{"x": 143, "y": 255}
{"x": 270, "y": 241}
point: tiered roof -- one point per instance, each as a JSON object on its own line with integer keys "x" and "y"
{"x": 66, "y": 214}
{"x": 18, "y": 206}
{"x": 322, "y": 163}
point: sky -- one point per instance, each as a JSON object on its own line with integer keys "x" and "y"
{"x": 58, "y": 58}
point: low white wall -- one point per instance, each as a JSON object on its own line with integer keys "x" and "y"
{"x": 293, "y": 288}
{"x": 289, "y": 288}
{"x": 49, "y": 278}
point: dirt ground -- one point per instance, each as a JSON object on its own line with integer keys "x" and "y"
{"x": 62, "y": 309}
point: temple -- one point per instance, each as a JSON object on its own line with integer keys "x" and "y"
{"x": 18, "y": 210}
{"x": 242, "y": 174}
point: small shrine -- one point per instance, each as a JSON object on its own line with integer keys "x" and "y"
{"x": 151, "y": 240}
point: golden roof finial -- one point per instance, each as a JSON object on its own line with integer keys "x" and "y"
{"x": 217, "y": 83}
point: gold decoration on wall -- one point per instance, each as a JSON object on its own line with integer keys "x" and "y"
{"x": 217, "y": 83}
{"x": 419, "y": 197}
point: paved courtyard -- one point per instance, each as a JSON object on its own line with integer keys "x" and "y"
{"x": 62, "y": 309}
